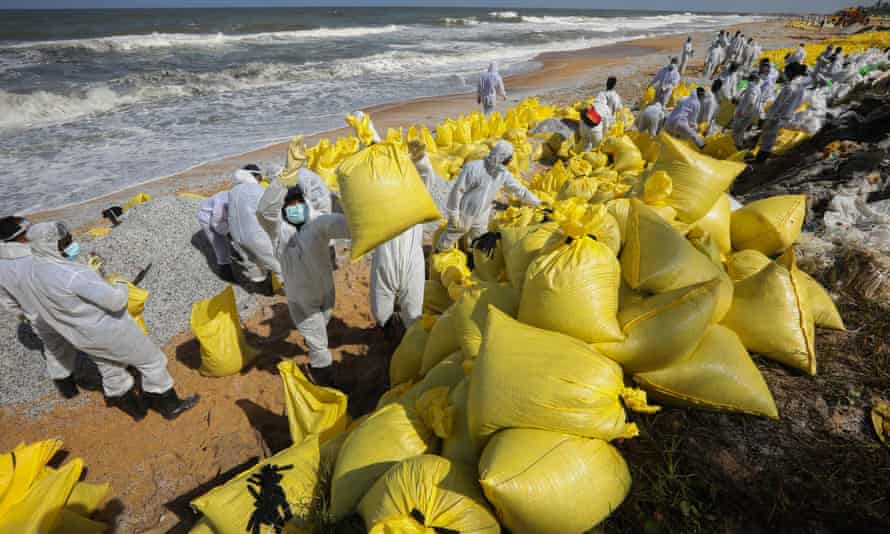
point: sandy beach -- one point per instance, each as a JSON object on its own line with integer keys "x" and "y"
{"x": 156, "y": 467}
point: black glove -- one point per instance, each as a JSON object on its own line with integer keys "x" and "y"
{"x": 486, "y": 243}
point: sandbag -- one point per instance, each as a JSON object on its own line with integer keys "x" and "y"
{"x": 447, "y": 373}
{"x": 406, "y": 361}
{"x": 37, "y": 512}
{"x": 385, "y": 438}
{"x": 742, "y": 264}
{"x": 718, "y": 375}
{"x": 441, "y": 342}
{"x": 489, "y": 267}
{"x": 717, "y": 223}
{"x": 217, "y": 326}
{"x": 770, "y": 225}
{"x": 136, "y": 298}
{"x": 427, "y": 493}
{"x": 311, "y": 409}
{"x": 532, "y": 378}
{"x": 458, "y": 446}
{"x": 382, "y": 196}
{"x": 441, "y": 261}
{"x": 825, "y": 313}
{"x": 574, "y": 290}
{"x": 547, "y": 482}
{"x": 584, "y": 188}
{"x": 435, "y": 297}
{"x": 771, "y": 314}
{"x": 657, "y": 258}
{"x": 698, "y": 180}
{"x": 664, "y": 328}
{"x": 619, "y": 208}
{"x": 229, "y": 507}
{"x": 85, "y": 498}
{"x": 625, "y": 153}
{"x": 22, "y": 466}
{"x": 471, "y": 313}
{"x": 517, "y": 255}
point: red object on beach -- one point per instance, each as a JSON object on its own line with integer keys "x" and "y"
{"x": 593, "y": 116}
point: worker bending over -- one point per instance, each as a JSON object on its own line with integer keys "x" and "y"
{"x": 683, "y": 121}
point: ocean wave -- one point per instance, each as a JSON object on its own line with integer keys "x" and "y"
{"x": 604, "y": 23}
{"x": 127, "y": 43}
{"x": 42, "y": 106}
{"x": 468, "y": 21}
{"x": 504, "y": 15}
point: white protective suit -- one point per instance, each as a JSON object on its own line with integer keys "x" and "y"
{"x": 708, "y": 112}
{"x": 470, "y": 201}
{"x": 782, "y": 112}
{"x": 316, "y": 191}
{"x": 213, "y": 216}
{"x": 735, "y": 48}
{"x": 594, "y": 135}
{"x": 683, "y": 121}
{"x": 306, "y": 269}
{"x": 685, "y": 56}
{"x": 798, "y": 56}
{"x": 823, "y": 61}
{"x": 730, "y": 88}
{"x": 664, "y": 82}
{"x": 490, "y": 86}
{"x": 17, "y": 300}
{"x": 715, "y": 58}
{"x": 91, "y": 314}
{"x": 398, "y": 268}
{"x": 248, "y": 237}
{"x": 747, "y": 112}
{"x": 651, "y": 120}
{"x": 613, "y": 101}
{"x": 767, "y": 89}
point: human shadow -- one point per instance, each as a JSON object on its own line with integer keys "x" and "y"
{"x": 272, "y": 427}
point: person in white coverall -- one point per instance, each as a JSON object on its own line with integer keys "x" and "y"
{"x": 651, "y": 120}
{"x": 768, "y": 77}
{"x": 710, "y": 105}
{"x": 470, "y": 201}
{"x": 490, "y": 86}
{"x": 256, "y": 254}
{"x": 611, "y": 97}
{"x": 213, "y": 216}
{"x": 685, "y": 55}
{"x": 798, "y": 56}
{"x": 398, "y": 267}
{"x": 683, "y": 121}
{"x": 747, "y": 111}
{"x": 782, "y": 111}
{"x": 715, "y": 58}
{"x": 595, "y": 122}
{"x": 665, "y": 81}
{"x": 300, "y": 239}
{"x": 91, "y": 314}
{"x": 16, "y": 301}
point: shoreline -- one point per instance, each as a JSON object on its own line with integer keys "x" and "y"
{"x": 557, "y": 71}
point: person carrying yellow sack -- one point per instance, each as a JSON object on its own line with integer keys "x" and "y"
{"x": 470, "y": 201}
{"x": 300, "y": 238}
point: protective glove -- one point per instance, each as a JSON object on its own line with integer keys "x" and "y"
{"x": 487, "y": 243}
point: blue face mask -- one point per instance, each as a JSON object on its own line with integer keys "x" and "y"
{"x": 295, "y": 214}
{"x": 72, "y": 251}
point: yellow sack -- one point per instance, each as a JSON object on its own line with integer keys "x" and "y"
{"x": 720, "y": 146}
{"x": 136, "y": 304}
{"x": 70, "y": 523}
{"x": 771, "y": 314}
{"x": 202, "y": 527}
{"x": 717, "y": 223}
{"x": 664, "y": 328}
{"x": 228, "y": 507}
{"x": 657, "y": 258}
{"x": 37, "y": 512}
{"x": 718, "y": 375}
{"x": 824, "y": 311}
{"x": 698, "y": 180}
{"x": 435, "y": 297}
{"x": 648, "y": 145}
{"x": 625, "y": 153}
{"x": 216, "y": 325}
{"x": 584, "y": 188}
{"x": 99, "y": 232}
{"x": 427, "y": 492}
{"x": 446, "y": 374}
{"x": 770, "y": 225}
{"x": 311, "y": 409}
{"x": 441, "y": 261}
{"x": 385, "y": 438}
{"x": 362, "y": 127}
{"x": 21, "y": 467}
{"x": 648, "y": 97}
{"x": 547, "y": 482}
{"x": 597, "y": 160}
{"x": 520, "y": 253}
{"x": 574, "y": 290}
{"x": 532, "y": 378}
{"x": 441, "y": 341}
{"x": 85, "y": 498}
{"x": 408, "y": 356}
{"x": 458, "y": 446}
{"x": 489, "y": 268}
{"x": 619, "y": 208}
{"x": 138, "y": 198}
{"x": 382, "y": 196}
{"x": 471, "y": 313}
{"x": 745, "y": 263}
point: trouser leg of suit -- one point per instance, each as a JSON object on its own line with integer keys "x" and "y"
{"x": 61, "y": 356}
{"x": 663, "y": 95}
{"x": 314, "y": 329}
{"x": 148, "y": 360}
{"x": 450, "y": 237}
{"x": 683, "y": 63}
{"x": 220, "y": 244}
{"x": 739, "y": 128}
{"x": 246, "y": 261}
{"x": 383, "y": 291}
{"x": 769, "y": 136}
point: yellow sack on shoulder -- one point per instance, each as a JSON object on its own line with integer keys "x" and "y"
{"x": 384, "y": 439}
{"x": 574, "y": 290}
{"x": 552, "y": 483}
{"x": 532, "y": 378}
{"x": 382, "y": 196}
{"x": 771, "y": 314}
{"x": 427, "y": 493}
{"x": 217, "y": 326}
{"x": 311, "y": 409}
{"x": 657, "y": 258}
{"x": 228, "y": 508}
{"x": 698, "y": 180}
{"x": 471, "y": 313}
{"x": 718, "y": 375}
{"x": 770, "y": 225}
{"x": 664, "y": 328}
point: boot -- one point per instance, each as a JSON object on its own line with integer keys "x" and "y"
{"x": 67, "y": 387}
{"x": 169, "y": 404}
{"x": 226, "y": 273}
{"x": 393, "y": 329}
{"x": 322, "y": 376}
{"x": 763, "y": 156}
{"x": 130, "y": 403}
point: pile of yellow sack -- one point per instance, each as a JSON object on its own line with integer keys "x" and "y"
{"x": 852, "y": 44}
{"x": 38, "y": 499}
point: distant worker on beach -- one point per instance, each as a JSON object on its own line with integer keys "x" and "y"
{"x": 683, "y": 121}
{"x": 91, "y": 314}
{"x": 685, "y": 55}
{"x": 715, "y": 58}
{"x": 665, "y": 81}
{"x": 595, "y": 122}
{"x": 470, "y": 201}
{"x": 490, "y": 86}
{"x": 611, "y": 96}
{"x": 300, "y": 240}
{"x": 256, "y": 255}
{"x": 710, "y": 105}
{"x": 782, "y": 111}
{"x": 17, "y": 302}
{"x": 651, "y": 119}
{"x": 798, "y": 56}
{"x": 747, "y": 112}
